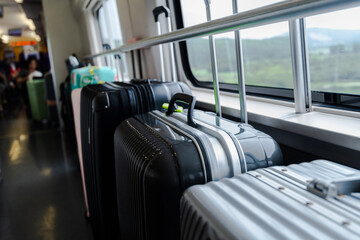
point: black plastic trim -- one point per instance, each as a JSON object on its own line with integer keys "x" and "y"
{"x": 139, "y": 63}
{"x": 159, "y": 10}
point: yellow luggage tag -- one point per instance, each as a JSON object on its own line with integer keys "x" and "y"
{"x": 177, "y": 109}
{"x": 92, "y": 70}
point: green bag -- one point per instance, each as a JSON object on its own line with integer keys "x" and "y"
{"x": 36, "y": 91}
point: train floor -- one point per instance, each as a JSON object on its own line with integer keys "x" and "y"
{"x": 41, "y": 192}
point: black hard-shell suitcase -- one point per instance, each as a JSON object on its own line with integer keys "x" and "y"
{"x": 103, "y": 107}
{"x": 66, "y": 105}
{"x": 50, "y": 98}
{"x": 158, "y": 156}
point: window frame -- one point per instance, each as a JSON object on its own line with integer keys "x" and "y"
{"x": 319, "y": 98}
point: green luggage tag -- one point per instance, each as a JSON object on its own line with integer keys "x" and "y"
{"x": 177, "y": 109}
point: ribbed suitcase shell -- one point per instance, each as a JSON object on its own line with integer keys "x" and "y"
{"x": 265, "y": 204}
{"x": 155, "y": 163}
{"x": 103, "y": 107}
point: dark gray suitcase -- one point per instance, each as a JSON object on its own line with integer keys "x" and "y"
{"x": 103, "y": 107}
{"x": 158, "y": 156}
{"x": 317, "y": 200}
{"x": 50, "y": 98}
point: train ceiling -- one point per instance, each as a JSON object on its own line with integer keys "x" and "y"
{"x": 27, "y": 16}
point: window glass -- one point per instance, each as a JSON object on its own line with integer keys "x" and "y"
{"x": 334, "y": 51}
{"x": 109, "y": 24}
{"x": 198, "y": 48}
{"x": 110, "y": 31}
{"x": 252, "y": 4}
{"x": 267, "y": 57}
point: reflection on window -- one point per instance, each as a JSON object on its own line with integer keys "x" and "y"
{"x": 334, "y": 51}
{"x": 110, "y": 31}
{"x": 109, "y": 24}
{"x": 267, "y": 57}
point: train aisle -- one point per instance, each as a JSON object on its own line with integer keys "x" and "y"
{"x": 40, "y": 195}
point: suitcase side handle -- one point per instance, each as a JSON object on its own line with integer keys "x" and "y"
{"x": 159, "y": 10}
{"x": 188, "y": 99}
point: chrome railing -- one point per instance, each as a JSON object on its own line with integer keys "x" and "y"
{"x": 282, "y": 11}
{"x": 293, "y": 11}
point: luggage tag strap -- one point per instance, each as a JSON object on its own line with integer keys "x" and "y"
{"x": 177, "y": 107}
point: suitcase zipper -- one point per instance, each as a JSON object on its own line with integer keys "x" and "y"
{"x": 239, "y": 150}
{"x": 234, "y": 154}
{"x": 233, "y": 157}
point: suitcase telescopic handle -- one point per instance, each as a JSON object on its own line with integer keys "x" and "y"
{"x": 159, "y": 10}
{"x": 188, "y": 99}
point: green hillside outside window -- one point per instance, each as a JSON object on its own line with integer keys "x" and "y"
{"x": 333, "y": 45}
{"x": 267, "y": 58}
{"x": 334, "y": 51}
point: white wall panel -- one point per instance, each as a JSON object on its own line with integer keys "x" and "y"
{"x": 64, "y": 36}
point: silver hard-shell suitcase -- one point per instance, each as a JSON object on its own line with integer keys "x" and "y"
{"x": 159, "y": 155}
{"x": 317, "y": 200}
{"x": 229, "y": 148}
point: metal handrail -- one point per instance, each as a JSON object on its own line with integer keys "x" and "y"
{"x": 273, "y": 13}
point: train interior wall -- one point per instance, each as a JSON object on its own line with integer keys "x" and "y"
{"x": 67, "y": 34}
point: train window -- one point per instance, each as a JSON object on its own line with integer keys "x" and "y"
{"x": 111, "y": 37}
{"x": 109, "y": 25}
{"x": 334, "y": 51}
{"x": 333, "y": 46}
{"x": 198, "y": 48}
{"x": 267, "y": 56}
{"x": 249, "y": 5}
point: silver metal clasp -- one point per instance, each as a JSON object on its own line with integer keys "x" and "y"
{"x": 330, "y": 189}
